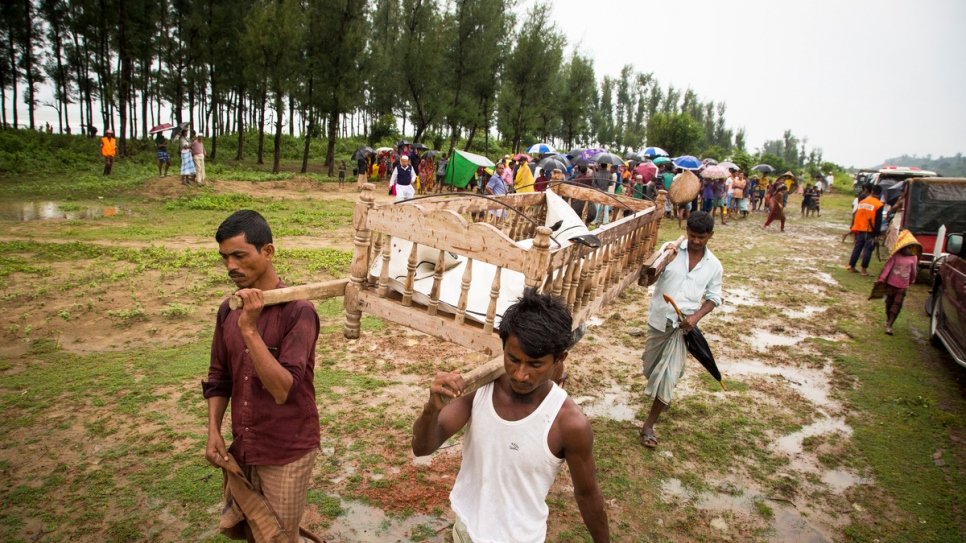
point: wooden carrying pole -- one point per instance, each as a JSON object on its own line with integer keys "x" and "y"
{"x": 656, "y": 263}
{"x": 311, "y": 291}
{"x": 483, "y": 374}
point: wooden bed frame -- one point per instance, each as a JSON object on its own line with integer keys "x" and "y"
{"x": 487, "y": 230}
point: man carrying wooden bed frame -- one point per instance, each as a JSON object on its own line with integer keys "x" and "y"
{"x": 520, "y": 430}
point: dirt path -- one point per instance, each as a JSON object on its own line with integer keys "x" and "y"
{"x": 765, "y": 460}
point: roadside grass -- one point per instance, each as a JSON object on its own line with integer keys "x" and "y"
{"x": 910, "y": 406}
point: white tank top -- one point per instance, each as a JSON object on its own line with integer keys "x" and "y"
{"x": 506, "y": 473}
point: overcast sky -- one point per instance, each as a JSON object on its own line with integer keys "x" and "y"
{"x": 864, "y": 80}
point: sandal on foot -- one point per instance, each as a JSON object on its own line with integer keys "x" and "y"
{"x": 648, "y": 439}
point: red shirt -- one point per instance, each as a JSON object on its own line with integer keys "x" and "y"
{"x": 265, "y": 433}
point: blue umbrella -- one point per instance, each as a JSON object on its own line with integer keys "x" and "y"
{"x": 687, "y": 162}
{"x": 651, "y": 152}
{"x": 541, "y": 149}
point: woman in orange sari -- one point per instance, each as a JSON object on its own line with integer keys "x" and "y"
{"x": 427, "y": 175}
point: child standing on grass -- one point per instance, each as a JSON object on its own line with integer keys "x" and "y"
{"x": 341, "y": 174}
{"x": 899, "y": 272}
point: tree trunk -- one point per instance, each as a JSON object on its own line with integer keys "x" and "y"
{"x": 11, "y": 47}
{"x": 307, "y": 133}
{"x": 333, "y": 134}
{"x": 291, "y": 116}
{"x": 277, "y": 154}
{"x": 261, "y": 130}
{"x": 28, "y": 58}
{"x": 144, "y": 97}
{"x": 240, "y": 125}
{"x": 125, "y": 78}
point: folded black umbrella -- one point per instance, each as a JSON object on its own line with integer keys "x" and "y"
{"x": 697, "y": 345}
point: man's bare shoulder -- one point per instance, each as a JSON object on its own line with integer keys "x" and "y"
{"x": 572, "y": 422}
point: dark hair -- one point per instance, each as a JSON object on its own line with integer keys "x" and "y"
{"x": 248, "y": 222}
{"x": 701, "y": 222}
{"x": 541, "y": 323}
{"x": 877, "y": 190}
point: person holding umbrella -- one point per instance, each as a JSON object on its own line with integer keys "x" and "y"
{"x": 161, "y": 148}
{"x": 693, "y": 279}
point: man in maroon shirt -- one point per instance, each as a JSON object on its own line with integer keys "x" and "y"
{"x": 263, "y": 360}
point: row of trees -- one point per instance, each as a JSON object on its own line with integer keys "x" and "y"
{"x": 450, "y": 72}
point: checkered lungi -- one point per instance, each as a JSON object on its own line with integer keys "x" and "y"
{"x": 163, "y": 156}
{"x": 664, "y": 355}
{"x": 284, "y": 488}
{"x": 187, "y": 164}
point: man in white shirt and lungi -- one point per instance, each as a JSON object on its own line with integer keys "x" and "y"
{"x": 693, "y": 280}
{"x": 520, "y": 430}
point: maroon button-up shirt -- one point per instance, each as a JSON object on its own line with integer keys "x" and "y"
{"x": 265, "y": 433}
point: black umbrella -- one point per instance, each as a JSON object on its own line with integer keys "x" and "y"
{"x": 552, "y": 163}
{"x": 363, "y": 152}
{"x": 176, "y": 131}
{"x": 400, "y": 143}
{"x": 636, "y": 157}
{"x": 432, "y": 154}
{"x": 763, "y": 168}
{"x": 420, "y": 147}
{"x": 608, "y": 158}
{"x": 574, "y": 153}
{"x": 697, "y": 345}
{"x": 892, "y": 192}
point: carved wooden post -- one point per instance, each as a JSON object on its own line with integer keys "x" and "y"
{"x": 358, "y": 270}
{"x": 491, "y": 308}
{"x": 537, "y": 258}
{"x": 383, "y": 289}
{"x": 437, "y": 280}
{"x": 408, "y": 286}
{"x": 464, "y": 291}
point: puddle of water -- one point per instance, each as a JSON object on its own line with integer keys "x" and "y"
{"x": 812, "y": 384}
{"x": 792, "y": 443}
{"x": 826, "y": 278}
{"x": 814, "y": 289}
{"x": 611, "y": 405}
{"x": 804, "y": 313}
{"x": 763, "y": 339}
{"x": 788, "y": 523}
{"x": 38, "y": 211}
{"x": 361, "y": 523}
{"x": 840, "y": 480}
{"x": 740, "y": 296}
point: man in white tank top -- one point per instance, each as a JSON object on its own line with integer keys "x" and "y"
{"x": 522, "y": 427}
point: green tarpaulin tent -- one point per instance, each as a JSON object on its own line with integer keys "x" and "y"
{"x": 462, "y": 168}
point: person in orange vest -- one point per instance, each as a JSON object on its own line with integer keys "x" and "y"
{"x": 108, "y": 150}
{"x": 866, "y": 224}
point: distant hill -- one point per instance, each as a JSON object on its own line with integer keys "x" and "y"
{"x": 948, "y": 166}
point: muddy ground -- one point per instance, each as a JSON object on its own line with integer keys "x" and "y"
{"x": 771, "y": 458}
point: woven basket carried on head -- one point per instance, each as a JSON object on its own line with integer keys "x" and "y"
{"x": 684, "y": 188}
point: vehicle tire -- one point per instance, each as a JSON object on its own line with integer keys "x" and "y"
{"x": 934, "y": 320}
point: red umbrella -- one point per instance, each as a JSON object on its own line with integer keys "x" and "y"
{"x": 523, "y": 156}
{"x": 161, "y": 128}
{"x": 647, "y": 170}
